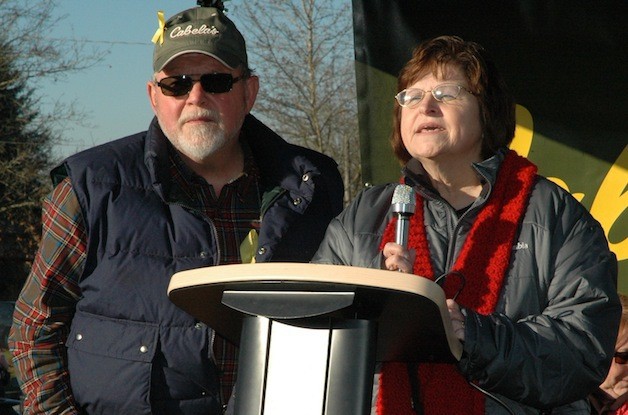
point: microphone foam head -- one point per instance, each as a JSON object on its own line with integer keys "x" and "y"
{"x": 403, "y": 200}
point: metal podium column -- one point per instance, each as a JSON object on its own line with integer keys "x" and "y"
{"x": 317, "y": 366}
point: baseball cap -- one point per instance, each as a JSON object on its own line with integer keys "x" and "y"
{"x": 203, "y": 30}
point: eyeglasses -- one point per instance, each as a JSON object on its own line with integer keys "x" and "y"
{"x": 213, "y": 83}
{"x": 621, "y": 358}
{"x": 410, "y": 97}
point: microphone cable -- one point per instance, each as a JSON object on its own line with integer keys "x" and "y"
{"x": 415, "y": 397}
{"x": 460, "y": 276}
{"x": 462, "y": 284}
{"x": 415, "y": 394}
{"x": 493, "y": 397}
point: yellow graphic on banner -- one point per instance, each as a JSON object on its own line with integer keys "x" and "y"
{"x": 611, "y": 199}
{"x": 524, "y": 131}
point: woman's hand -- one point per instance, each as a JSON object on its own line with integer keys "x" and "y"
{"x": 397, "y": 258}
{"x": 457, "y": 319}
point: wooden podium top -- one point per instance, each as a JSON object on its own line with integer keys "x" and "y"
{"x": 413, "y": 321}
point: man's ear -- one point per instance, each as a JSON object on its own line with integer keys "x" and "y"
{"x": 151, "y": 90}
{"x": 251, "y": 87}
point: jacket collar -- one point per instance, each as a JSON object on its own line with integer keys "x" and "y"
{"x": 156, "y": 158}
{"x": 279, "y": 163}
{"x": 415, "y": 175}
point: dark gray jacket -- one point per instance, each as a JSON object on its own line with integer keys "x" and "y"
{"x": 558, "y": 312}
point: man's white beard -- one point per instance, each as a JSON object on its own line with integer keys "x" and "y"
{"x": 200, "y": 140}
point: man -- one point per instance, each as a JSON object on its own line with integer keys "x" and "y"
{"x": 207, "y": 184}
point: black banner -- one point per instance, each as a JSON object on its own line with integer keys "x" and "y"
{"x": 566, "y": 63}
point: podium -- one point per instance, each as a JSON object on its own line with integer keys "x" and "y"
{"x": 310, "y": 334}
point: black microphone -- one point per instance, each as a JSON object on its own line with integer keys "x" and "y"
{"x": 403, "y": 205}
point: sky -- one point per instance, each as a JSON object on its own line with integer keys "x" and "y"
{"x": 113, "y": 93}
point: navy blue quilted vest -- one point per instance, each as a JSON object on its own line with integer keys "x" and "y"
{"x": 130, "y": 350}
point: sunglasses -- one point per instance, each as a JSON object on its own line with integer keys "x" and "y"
{"x": 213, "y": 83}
{"x": 621, "y": 358}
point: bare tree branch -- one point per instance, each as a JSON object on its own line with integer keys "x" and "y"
{"x": 27, "y": 134}
{"x": 303, "y": 50}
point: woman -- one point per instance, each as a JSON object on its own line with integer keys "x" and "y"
{"x": 538, "y": 312}
{"x": 612, "y": 396}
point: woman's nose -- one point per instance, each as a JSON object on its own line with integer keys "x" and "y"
{"x": 428, "y": 104}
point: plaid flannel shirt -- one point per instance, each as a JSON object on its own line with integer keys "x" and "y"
{"x": 46, "y": 305}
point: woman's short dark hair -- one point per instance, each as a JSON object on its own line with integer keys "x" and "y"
{"x": 497, "y": 105}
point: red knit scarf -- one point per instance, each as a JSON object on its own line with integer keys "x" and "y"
{"x": 483, "y": 261}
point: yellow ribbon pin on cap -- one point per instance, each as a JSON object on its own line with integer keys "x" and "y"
{"x": 159, "y": 34}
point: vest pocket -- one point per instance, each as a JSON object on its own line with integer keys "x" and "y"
{"x": 110, "y": 363}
